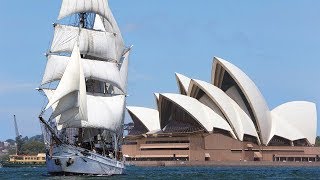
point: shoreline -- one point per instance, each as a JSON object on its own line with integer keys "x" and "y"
{"x": 221, "y": 164}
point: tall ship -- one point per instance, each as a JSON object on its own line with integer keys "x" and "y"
{"x": 85, "y": 82}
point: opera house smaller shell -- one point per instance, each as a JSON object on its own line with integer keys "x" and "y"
{"x": 227, "y": 119}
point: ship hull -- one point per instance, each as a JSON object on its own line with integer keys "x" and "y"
{"x": 67, "y": 159}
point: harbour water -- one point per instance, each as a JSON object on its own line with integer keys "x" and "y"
{"x": 178, "y": 173}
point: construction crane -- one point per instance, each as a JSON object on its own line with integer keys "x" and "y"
{"x": 16, "y": 126}
{"x": 19, "y": 141}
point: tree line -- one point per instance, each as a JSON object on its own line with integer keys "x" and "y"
{"x": 29, "y": 146}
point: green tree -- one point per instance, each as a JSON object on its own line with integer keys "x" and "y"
{"x": 19, "y": 144}
{"x": 25, "y": 145}
{"x": 33, "y": 147}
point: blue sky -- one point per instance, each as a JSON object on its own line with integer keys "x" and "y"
{"x": 276, "y": 43}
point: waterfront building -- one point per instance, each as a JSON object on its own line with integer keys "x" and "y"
{"x": 28, "y": 159}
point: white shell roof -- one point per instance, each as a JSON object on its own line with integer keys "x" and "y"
{"x": 284, "y": 129}
{"x": 200, "y": 112}
{"x": 295, "y": 120}
{"x": 239, "y": 120}
{"x": 253, "y": 95}
{"x": 148, "y": 117}
{"x": 184, "y": 81}
{"x": 157, "y": 96}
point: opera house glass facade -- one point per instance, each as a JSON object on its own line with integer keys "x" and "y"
{"x": 226, "y": 119}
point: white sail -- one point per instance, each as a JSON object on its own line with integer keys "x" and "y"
{"x": 93, "y": 69}
{"x": 124, "y": 71}
{"x": 98, "y": 23}
{"x": 71, "y": 91}
{"x": 101, "y": 8}
{"x": 49, "y": 94}
{"x": 66, "y": 103}
{"x": 91, "y": 42}
{"x": 70, "y": 7}
{"x": 104, "y": 112}
{"x": 110, "y": 25}
{"x": 56, "y": 65}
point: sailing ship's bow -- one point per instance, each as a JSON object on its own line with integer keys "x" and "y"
{"x": 73, "y": 160}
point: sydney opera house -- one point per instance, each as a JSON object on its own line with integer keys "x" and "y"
{"x": 225, "y": 120}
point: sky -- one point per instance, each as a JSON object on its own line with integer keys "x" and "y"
{"x": 276, "y": 43}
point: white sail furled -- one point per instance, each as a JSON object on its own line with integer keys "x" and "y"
{"x": 95, "y": 43}
{"x": 70, "y": 94}
{"x": 93, "y": 69}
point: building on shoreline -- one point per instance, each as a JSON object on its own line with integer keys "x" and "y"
{"x": 40, "y": 158}
{"x": 25, "y": 160}
{"x": 225, "y": 120}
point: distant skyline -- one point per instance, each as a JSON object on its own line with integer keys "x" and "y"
{"x": 276, "y": 43}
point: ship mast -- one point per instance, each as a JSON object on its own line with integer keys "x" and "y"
{"x": 82, "y": 24}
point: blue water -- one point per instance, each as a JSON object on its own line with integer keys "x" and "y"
{"x": 184, "y": 173}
